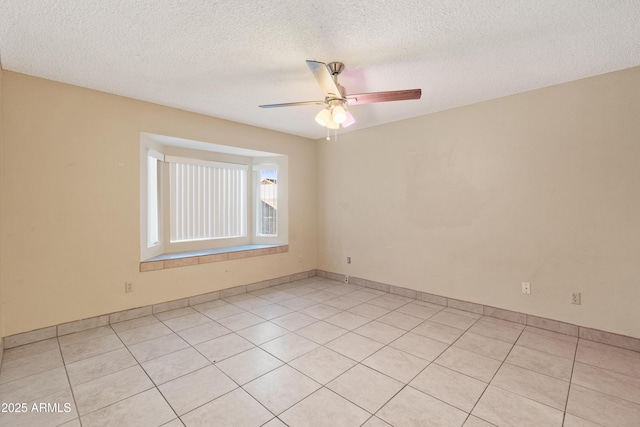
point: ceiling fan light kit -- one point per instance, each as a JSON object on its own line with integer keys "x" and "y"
{"x": 332, "y": 125}
{"x": 336, "y": 100}
{"x": 335, "y": 115}
{"x": 338, "y": 114}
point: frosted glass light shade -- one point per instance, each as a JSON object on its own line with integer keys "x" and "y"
{"x": 349, "y": 120}
{"x": 323, "y": 117}
{"x": 338, "y": 114}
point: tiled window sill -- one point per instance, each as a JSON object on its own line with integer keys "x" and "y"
{"x": 184, "y": 259}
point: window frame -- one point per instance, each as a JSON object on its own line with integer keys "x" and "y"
{"x": 258, "y": 197}
{"x": 153, "y": 154}
{"x": 167, "y": 147}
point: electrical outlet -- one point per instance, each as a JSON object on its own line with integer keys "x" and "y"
{"x": 576, "y": 298}
{"x": 526, "y": 288}
{"x": 346, "y": 279}
{"x": 128, "y": 286}
{"x": 348, "y": 260}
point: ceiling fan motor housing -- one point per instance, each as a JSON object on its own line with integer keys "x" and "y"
{"x": 335, "y": 68}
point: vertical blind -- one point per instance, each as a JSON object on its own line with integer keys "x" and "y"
{"x": 208, "y": 200}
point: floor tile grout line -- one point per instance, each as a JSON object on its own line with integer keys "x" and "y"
{"x": 564, "y": 415}
{"x": 407, "y": 384}
{"x": 404, "y": 384}
{"x": 534, "y": 330}
{"x": 122, "y": 400}
{"x": 356, "y": 362}
{"x": 580, "y": 416}
{"x": 494, "y": 375}
{"x": 505, "y": 361}
{"x": 127, "y": 397}
{"x": 162, "y": 355}
{"x": 600, "y": 391}
{"x": 224, "y": 373}
{"x": 529, "y": 398}
{"x": 205, "y": 403}
{"x": 139, "y": 364}
{"x": 179, "y": 376}
{"x": 339, "y": 395}
{"x": 263, "y": 374}
{"x": 289, "y": 407}
{"x": 73, "y": 395}
{"x": 98, "y": 355}
{"x": 384, "y": 345}
{"x": 451, "y": 345}
{"x": 531, "y": 370}
{"x": 566, "y": 404}
{"x": 544, "y": 352}
{"x": 431, "y": 396}
{"x": 151, "y": 339}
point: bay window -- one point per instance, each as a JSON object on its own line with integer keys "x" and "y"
{"x": 197, "y": 196}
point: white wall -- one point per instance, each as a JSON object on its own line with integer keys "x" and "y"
{"x": 541, "y": 187}
{"x": 70, "y": 212}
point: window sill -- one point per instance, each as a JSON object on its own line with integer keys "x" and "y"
{"x": 184, "y": 259}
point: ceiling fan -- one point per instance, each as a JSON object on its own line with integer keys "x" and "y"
{"x": 336, "y": 99}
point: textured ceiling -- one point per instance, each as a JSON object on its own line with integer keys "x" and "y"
{"x": 224, "y": 58}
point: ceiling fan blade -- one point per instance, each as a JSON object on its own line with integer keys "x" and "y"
{"x": 394, "y": 95}
{"x": 292, "y": 104}
{"x": 325, "y": 79}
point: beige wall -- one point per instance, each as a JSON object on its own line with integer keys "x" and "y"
{"x": 467, "y": 203}
{"x": 541, "y": 187}
{"x": 1, "y": 203}
{"x": 70, "y": 212}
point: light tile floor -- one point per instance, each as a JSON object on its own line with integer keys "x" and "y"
{"x": 319, "y": 353}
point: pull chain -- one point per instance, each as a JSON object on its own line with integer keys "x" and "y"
{"x": 335, "y": 134}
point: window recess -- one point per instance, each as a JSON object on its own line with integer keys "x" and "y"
{"x": 197, "y": 196}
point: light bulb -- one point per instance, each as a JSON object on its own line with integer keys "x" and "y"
{"x": 338, "y": 114}
{"x": 323, "y": 117}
